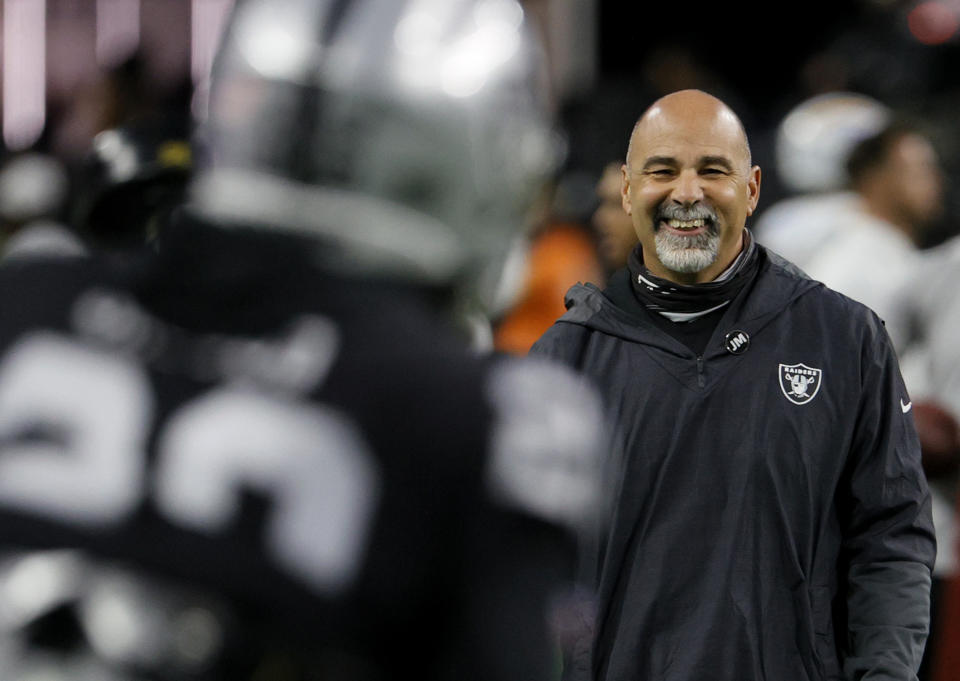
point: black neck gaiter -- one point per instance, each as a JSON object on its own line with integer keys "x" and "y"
{"x": 670, "y": 299}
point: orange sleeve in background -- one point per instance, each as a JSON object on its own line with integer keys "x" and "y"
{"x": 559, "y": 257}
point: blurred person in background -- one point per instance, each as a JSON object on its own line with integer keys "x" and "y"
{"x": 613, "y": 225}
{"x": 122, "y": 193}
{"x": 563, "y": 250}
{"x": 811, "y": 147}
{"x": 561, "y": 254}
{"x": 129, "y": 183}
{"x": 565, "y": 253}
{"x": 34, "y": 189}
{"x": 772, "y": 520}
{"x": 873, "y": 249}
{"x": 113, "y": 98}
{"x": 265, "y": 451}
{"x": 927, "y": 324}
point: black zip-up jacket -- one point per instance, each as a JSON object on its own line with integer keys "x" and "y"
{"x": 772, "y": 520}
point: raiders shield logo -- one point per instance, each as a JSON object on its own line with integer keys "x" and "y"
{"x": 799, "y": 383}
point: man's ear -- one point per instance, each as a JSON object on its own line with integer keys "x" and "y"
{"x": 625, "y": 189}
{"x": 753, "y": 189}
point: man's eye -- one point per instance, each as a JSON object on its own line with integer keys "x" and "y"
{"x": 661, "y": 172}
{"x": 713, "y": 171}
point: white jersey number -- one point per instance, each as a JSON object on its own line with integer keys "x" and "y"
{"x": 73, "y": 428}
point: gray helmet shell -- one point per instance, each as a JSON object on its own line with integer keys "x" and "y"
{"x": 410, "y": 136}
{"x": 815, "y": 138}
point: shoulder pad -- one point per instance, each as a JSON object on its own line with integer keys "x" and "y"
{"x": 548, "y": 444}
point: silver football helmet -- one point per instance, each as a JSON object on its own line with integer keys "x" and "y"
{"x": 412, "y": 137}
{"x": 815, "y": 138}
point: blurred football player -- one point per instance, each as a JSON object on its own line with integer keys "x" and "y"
{"x": 264, "y": 452}
{"x": 897, "y": 192}
{"x": 812, "y": 145}
{"x": 130, "y": 180}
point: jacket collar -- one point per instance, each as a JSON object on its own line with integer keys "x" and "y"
{"x": 777, "y": 284}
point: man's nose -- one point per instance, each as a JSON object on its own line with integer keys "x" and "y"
{"x": 688, "y": 188}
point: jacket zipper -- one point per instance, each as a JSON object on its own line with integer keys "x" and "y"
{"x": 701, "y": 380}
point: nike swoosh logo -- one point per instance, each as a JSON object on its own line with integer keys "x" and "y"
{"x": 906, "y": 407}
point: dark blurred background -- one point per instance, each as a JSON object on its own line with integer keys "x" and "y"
{"x": 74, "y": 67}
{"x": 764, "y": 58}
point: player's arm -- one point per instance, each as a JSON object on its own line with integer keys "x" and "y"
{"x": 542, "y": 493}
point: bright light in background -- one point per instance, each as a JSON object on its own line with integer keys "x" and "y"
{"x": 208, "y": 17}
{"x": 118, "y": 30}
{"x": 24, "y": 72}
{"x": 933, "y": 23}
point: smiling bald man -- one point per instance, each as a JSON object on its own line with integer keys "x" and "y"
{"x": 772, "y": 521}
{"x": 689, "y": 185}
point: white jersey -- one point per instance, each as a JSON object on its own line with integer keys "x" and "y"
{"x": 925, "y": 326}
{"x": 798, "y": 227}
{"x": 834, "y": 240}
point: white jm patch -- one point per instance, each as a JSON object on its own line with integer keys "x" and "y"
{"x": 800, "y": 383}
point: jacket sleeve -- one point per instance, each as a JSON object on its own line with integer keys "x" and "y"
{"x": 564, "y": 343}
{"x": 885, "y": 513}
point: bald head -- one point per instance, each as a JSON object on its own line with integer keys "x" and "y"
{"x": 689, "y": 186}
{"x": 688, "y": 110}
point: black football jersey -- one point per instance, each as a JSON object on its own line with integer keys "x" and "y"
{"x": 309, "y": 470}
